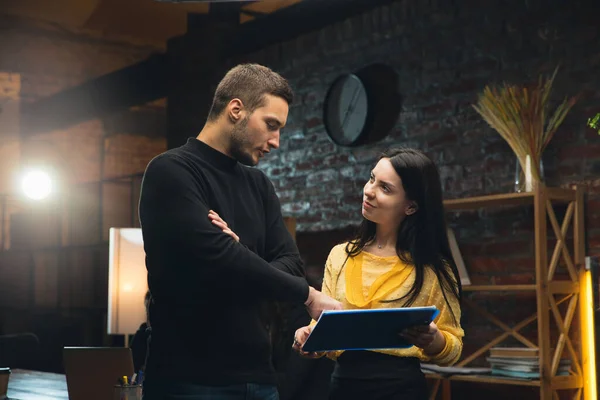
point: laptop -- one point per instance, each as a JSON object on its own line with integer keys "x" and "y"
{"x": 93, "y": 372}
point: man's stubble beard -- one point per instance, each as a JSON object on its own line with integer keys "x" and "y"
{"x": 240, "y": 143}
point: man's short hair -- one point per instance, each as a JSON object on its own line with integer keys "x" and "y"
{"x": 249, "y": 83}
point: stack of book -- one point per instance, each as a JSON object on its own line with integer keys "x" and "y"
{"x": 521, "y": 362}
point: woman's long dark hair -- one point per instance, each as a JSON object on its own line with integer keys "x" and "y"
{"x": 422, "y": 236}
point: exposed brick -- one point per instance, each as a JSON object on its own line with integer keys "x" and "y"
{"x": 320, "y": 177}
{"x": 311, "y": 97}
{"x": 308, "y": 220}
{"x": 480, "y": 279}
{"x": 475, "y": 134}
{"x": 322, "y": 148}
{"x": 593, "y": 205}
{"x": 355, "y": 170}
{"x": 297, "y": 182}
{"x": 367, "y": 154}
{"x": 316, "y": 192}
{"x": 438, "y": 110}
{"x": 479, "y": 68}
{"x": 463, "y": 86}
{"x": 511, "y": 247}
{"x": 583, "y": 151}
{"x": 568, "y": 133}
{"x": 285, "y": 196}
{"x": 326, "y": 204}
{"x": 303, "y": 166}
{"x": 313, "y": 123}
{"x": 443, "y": 139}
{"x": 594, "y": 242}
{"x": 514, "y": 279}
{"x": 486, "y": 265}
{"x": 569, "y": 172}
{"x": 294, "y": 208}
{"x": 453, "y": 173}
{"x": 335, "y": 160}
{"x": 128, "y": 154}
{"x": 469, "y": 249}
{"x": 423, "y": 129}
{"x": 57, "y": 149}
{"x": 10, "y": 86}
{"x": 291, "y": 157}
{"x": 279, "y": 171}
{"x": 314, "y": 137}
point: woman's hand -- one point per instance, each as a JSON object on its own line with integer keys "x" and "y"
{"x": 218, "y": 221}
{"x": 300, "y": 338}
{"x": 427, "y": 337}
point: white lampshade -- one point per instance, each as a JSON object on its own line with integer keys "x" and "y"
{"x": 127, "y": 281}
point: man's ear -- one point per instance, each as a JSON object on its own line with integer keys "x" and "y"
{"x": 235, "y": 110}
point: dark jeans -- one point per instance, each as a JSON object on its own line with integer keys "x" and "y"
{"x": 376, "y": 376}
{"x": 377, "y": 389}
{"x": 186, "y": 391}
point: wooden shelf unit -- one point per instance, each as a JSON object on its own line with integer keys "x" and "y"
{"x": 545, "y": 287}
{"x": 560, "y": 382}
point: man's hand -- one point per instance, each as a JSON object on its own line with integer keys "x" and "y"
{"x": 218, "y": 221}
{"x": 318, "y": 302}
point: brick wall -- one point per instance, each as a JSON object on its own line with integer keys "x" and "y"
{"x": 445, "y": 53}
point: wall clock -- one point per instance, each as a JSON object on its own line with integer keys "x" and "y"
{"x": 362, "y": 107}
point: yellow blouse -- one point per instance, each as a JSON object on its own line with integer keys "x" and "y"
{"x": 387, "y": 278}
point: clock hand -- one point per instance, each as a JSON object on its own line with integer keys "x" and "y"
{"x": 351, "y": 105}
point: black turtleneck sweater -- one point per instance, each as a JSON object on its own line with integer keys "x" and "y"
{"x": 209, "y": 291}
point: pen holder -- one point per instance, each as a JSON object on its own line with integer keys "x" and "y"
{"x": 128, "y": 392}
{"x": 4, "y": 375}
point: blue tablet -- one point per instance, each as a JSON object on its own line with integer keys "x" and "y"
{"x": 366, "y": 329}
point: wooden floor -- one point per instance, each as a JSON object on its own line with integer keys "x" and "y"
{"x": 35, "y": 385}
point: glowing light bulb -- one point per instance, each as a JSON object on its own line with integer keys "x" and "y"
{"x": 37, "y": 185}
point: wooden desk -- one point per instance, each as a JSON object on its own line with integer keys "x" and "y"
{"x": 35, "y": 385}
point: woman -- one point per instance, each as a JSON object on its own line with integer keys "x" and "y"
{"x": 399, "y": 258}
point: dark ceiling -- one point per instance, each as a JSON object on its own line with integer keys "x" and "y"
{"x": 143, "y": 20}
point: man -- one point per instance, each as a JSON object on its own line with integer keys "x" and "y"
{"x": 217, "y": 249}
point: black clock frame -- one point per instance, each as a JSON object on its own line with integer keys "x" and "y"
{"x": 384, "y": 104}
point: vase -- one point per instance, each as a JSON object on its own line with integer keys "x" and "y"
{"x": 527, "y": 178}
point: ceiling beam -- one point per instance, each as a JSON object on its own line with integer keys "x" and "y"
{"x": 225, "y": 11}
{"x": 151, "y": 123}
{"x": 254, "y": 14}
{"x": 298, "y": 19}
{"x": 147, "y": 80}
{"x": 97, "y": 98}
